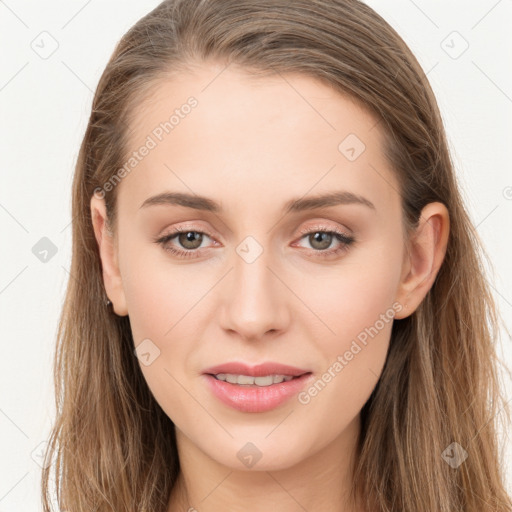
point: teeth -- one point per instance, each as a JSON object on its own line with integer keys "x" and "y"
{"x": 247, "y": 380}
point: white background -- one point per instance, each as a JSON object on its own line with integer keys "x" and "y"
{"x": 44, "y": 106}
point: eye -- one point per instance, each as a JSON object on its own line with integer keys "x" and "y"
{"x": 189, "y": 239}
{"x": 321, "y": 238}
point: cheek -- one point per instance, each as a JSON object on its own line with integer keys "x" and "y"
{"x": 352, "y": 296}
{"x": 359, "y": 318}
{"x": 357, "y": 306}
{"x": 164, "y": 301}
{"x": 159, "y": 294}
{"x": 161, "y": 309}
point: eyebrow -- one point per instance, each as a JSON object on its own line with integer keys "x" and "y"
{"x": 294, "y": 205}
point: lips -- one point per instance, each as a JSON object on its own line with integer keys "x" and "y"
{"x": 260, "y": 370}
{"x": 256, "y": 399}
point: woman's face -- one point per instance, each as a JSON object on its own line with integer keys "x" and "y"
{"x": 239, "y": 164}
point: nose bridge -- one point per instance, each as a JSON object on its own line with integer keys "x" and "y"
{"x": 254, "y": 302}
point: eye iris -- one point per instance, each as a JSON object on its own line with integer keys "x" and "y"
{"x": 325, "y": 240}
{"x": 190, "y": 237}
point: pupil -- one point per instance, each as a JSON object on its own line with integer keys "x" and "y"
{"x": 318, "y": 237}
{"x": 190, "y": 239}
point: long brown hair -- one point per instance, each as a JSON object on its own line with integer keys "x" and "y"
{"x": 112, "y": 447}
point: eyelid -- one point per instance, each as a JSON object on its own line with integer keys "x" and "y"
{"x": 324, "y": 227}
{"x": 320, "y": 226}
{"x": 184, "y": 229}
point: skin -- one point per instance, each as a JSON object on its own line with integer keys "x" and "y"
{"x": 252, "y": 145}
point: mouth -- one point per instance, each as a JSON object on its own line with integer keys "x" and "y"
{"x": 251, "y": 381}
{"x": 256, "y": 393}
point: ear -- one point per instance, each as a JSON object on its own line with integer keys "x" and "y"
{"x": 424, "y": 257}
{"x": 108, "y": 254}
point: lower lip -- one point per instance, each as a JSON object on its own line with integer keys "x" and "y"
{"x": 256, "y": 398}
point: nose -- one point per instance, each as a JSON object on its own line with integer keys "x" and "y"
{"x": 254, "y": 299}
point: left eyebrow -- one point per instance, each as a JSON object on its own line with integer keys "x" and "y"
{"x": 294, "y": 205}
{"x": 326, "y": 200}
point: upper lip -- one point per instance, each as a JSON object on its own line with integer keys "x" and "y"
{"x": 259, "y": 370}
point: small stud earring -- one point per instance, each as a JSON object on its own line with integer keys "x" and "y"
{"x": 108, "y": 303}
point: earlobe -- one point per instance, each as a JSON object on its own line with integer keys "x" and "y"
{"x": 108, "y": 255}
{"x": 427, "y": 249}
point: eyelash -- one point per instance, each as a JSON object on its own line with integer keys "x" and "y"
{"x": 346, "y": 241}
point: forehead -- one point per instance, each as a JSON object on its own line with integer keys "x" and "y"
{"x": 218, "y": 130}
